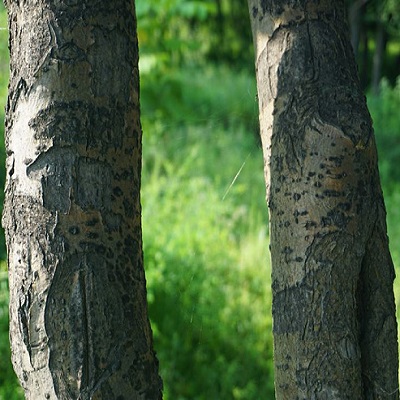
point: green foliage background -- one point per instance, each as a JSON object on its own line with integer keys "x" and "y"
{"x": 204, "y": 215}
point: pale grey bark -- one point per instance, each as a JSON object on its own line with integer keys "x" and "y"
{"x": 78, "y": 315}
{"x": 335, "y": 332}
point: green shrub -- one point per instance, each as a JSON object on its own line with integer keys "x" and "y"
{"x": 201, "y": 96}
{"x": 385, "y": 114}
{"x": 179, "y": 32}
{"x": 173, "y": 31}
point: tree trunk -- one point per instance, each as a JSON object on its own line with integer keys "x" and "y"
{"x": 220, "y": 23}
{"x": 379, "y": 54}
{"x": 364, "y": 64}
{"x": 79, "y": 326}
{"x": 335, "y": 332}
{"x": 355, "y": 12}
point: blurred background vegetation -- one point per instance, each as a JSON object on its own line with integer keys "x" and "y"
{"x": 204, "y": 215}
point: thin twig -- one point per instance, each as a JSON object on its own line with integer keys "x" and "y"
{"x": 236, "y": 176}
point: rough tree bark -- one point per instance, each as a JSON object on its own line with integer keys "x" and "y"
{"x": 335, "y": 332}
{"x": 79, "y": 326}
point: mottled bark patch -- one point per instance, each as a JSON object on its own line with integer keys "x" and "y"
{"x": 82, "y": 315}
{"x": 326, "y": 208}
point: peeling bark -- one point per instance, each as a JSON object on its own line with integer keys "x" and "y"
{"x": 78, "y": 315}
{"x": 335, "y": 332}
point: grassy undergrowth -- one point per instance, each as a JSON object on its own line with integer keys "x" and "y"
{"x": 207, "y": 266}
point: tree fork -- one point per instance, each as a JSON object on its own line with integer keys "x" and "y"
{"x": 335, "y": 331}
{"x": 78, "y": 315}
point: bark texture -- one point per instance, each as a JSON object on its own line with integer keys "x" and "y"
{"x": 335, "y": 332}
{"x": 79, "y": 326}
